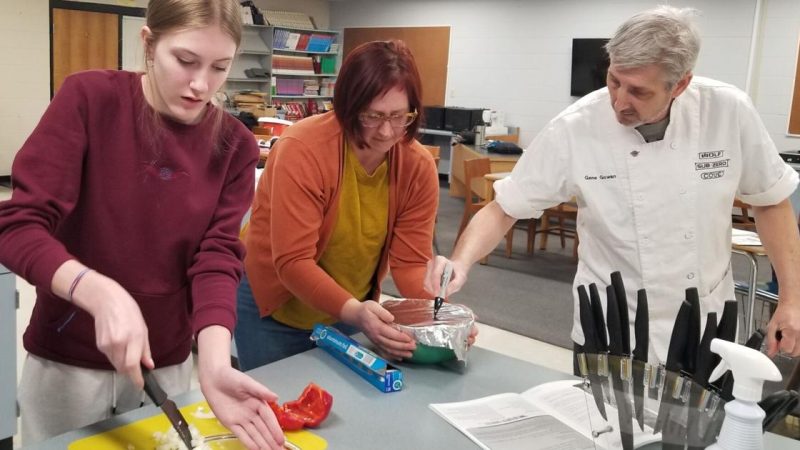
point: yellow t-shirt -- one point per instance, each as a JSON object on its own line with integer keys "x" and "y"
{"x": 353, "y": 252}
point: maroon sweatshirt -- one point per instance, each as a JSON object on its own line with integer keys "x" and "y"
{"x": 157, "y": 211}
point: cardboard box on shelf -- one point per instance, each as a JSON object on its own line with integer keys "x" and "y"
{"x": 258, "y": 109}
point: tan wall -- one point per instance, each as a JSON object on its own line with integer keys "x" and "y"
{"x": 25, "y": 78}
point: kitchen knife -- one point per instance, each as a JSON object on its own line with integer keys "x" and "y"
{"x": 622, "y": 303}
{"x": 444, "y": 281}
{"x": 674, "y": 433}
{"x": 602, "y": 337}
{"x": 590, "y": 348}
{"x": 599, "y": 320}
{"x": 726, "y": 329}
{"x": 159, "y": 397}
{"x": 777, "y": 405}
{"x": 618, "y": 362}
{"x": 677, "y": 346}
{"x": 706, "y": 362}
{"x": 641, "y": 330}
{"x": 693, "y": 333}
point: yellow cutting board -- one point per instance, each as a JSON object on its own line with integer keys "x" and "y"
{"x": 139, "y": 435}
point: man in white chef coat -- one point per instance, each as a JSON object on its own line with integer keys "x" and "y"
{"x": 655, "y": 161}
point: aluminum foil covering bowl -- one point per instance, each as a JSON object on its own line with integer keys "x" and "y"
{"x": 438, "y": 340}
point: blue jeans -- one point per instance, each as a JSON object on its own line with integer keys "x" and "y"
{"x": 260, "y": 340}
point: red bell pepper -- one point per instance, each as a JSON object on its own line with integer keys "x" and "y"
{"x": 309, "y": 410}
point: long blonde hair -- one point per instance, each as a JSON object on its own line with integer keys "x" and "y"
{"x": 169, "y": 16}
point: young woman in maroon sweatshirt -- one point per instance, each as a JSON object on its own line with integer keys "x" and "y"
{"x": 125, "y": 211}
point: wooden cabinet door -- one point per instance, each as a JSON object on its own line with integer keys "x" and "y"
{"x": 83, "y": 40}
{"x": 429, "y": 45}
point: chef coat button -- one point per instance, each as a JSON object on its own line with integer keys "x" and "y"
{"x": 673, "y": 145}
{"x": 688, "y": 235}
{"x": 683, "y": 191}
{"x": 690, "y": 275}
{"x": 635, "y": 153}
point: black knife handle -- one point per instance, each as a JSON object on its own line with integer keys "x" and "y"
{"x": 615, "y": 344}
{"x": 756, "y": 339}
{"x": 622, "y": 304}
{"x": 587, "y": 321}
{"x": 599, "y": 321}
{"x": 706, "y": 359}
{"x": 726, "y": 329}
{"x": 693, "y": 331}
{"x": 677, "y": 342}
{"x": 152, "y": 388}
{"x": 641, "y": 326}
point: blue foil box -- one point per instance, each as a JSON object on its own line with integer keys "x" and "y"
{"x": 370, "y": 366}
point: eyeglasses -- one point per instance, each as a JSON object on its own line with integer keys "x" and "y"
{"x": 374, "y": 120}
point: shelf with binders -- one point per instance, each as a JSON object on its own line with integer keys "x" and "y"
{"x": 250, "y": 69}
{"x": 299, "y": 40}
{"x": 302, "y": 87}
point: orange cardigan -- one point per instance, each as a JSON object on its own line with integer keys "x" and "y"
{"x": 294, "y": 212}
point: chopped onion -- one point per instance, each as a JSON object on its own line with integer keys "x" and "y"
{"x": 172, "y": 441}
{"x": 202, "y": 413}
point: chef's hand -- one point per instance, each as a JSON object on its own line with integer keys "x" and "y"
{"x": 376, "y": 322}
{"x": 785, "y": 320}
{"x": 433, "y": 276}
{"x": 238, "y": 401}
{"x": 120, "y": 330}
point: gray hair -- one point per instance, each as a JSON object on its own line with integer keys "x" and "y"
{"x": 665, "y": 36}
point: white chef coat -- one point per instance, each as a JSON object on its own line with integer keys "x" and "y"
{"x": 659, "y": 212}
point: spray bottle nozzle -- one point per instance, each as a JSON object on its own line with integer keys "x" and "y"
{"x": 750, "y": 369}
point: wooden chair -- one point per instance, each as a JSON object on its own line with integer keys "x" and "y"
{"x": 743, "y": 220}
{"x": 567, "y": 216}
{"x": 435, "y": 152}
{"x": 475, "y": 199}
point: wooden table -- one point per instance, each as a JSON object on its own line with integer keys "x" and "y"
{"x": 489, "y": 179}
{"x": 461, "y": 153}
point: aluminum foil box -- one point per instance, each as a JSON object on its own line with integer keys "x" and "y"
{"x": 367, "y": 364}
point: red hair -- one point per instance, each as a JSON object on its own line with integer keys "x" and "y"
{"x": 370, "y": 71}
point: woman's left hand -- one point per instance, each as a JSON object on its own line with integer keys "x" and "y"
{"x": 240, "y": 404}
{"x": 377, "y": 323}
{"x": 473, "y": 333}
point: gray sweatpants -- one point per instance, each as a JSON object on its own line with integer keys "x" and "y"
{"x": 55, "y": 398}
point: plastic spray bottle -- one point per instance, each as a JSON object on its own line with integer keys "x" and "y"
{"x": 742, "y": 428}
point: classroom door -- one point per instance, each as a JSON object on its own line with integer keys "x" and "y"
{"x": 83, "y": 40}
{"x": 431, "y": 49}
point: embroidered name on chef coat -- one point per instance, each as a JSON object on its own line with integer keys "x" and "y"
{"x": 599, "y": 177}
{"x": 711, "y": 165}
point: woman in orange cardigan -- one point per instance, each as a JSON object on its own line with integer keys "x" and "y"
{"x": 346, "y": 197}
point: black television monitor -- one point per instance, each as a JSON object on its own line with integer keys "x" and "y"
{"x": 589, "y": 66}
